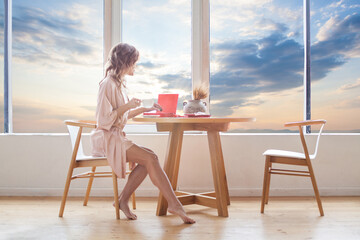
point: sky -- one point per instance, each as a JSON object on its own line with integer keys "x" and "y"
{"x": 256, "y": 54}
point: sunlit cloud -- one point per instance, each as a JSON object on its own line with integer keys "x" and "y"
{"x": 350, "y": 103}
{"x": 326, "y": 30}
{"x": 55, "y": 37}
{"x": 251, "y": 19}
{"x": 141, "y": 11}
{"x": 46, "y": 117}
{"x": 336, "y": 4}
{"x": 350, "y": 86}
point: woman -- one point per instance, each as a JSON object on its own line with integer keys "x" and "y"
{"x": 108, "y": 139}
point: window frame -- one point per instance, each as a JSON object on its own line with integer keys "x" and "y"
{"x": 8, "y": 113}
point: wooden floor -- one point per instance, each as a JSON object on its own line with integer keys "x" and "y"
{"x": 284, "y": 218}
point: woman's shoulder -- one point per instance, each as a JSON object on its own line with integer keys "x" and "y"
{"x": 108, "y": 82}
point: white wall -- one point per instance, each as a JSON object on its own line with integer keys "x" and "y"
{"x": 36, "y": 165}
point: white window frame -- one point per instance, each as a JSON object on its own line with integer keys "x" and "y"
{"x": 200, "y": 47}
{"x": 112, "y": 25}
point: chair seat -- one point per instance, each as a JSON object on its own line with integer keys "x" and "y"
{"x": 288, "y": 154}
{"x": 87, "y": 158}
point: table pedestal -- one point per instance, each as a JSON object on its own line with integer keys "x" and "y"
{"x": 220, "y": 197}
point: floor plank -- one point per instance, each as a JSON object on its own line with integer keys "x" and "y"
{"x": 284, "y": 218}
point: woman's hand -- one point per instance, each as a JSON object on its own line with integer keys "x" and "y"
{"x": 155, "y": 106}
{"x": 134, "y": 103}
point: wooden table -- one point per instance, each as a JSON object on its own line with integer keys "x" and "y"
{"x": 176, "y": 126}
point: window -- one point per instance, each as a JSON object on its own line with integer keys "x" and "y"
{"x": 57, "y": 62}
{"x": 162, "y": 34}
{"x": 256, "y": 58}
{"x": 335, "y": 61}
{"x": 257, "y": 62}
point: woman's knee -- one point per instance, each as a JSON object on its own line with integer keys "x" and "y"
{"x": 148, "y": 150}
{"x": 153, "y": 159}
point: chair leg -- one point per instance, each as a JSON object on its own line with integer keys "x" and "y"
{"x": 268, "y": 185}
{"x": 266, "y": 173}
{"x": 133, "y": 200}
{"x": 116, "y": 195}
{"x": 91, "y": 179}
{"x": 66, "y": 191}
{"x": 316, "y": 190}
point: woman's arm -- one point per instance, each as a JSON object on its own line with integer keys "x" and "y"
{"x": 133, "y": 103}
{"x": 137, "y": 111}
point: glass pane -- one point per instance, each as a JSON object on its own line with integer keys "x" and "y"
{"x": 57, "y": 62}
{"x": 256, "y": 70}
{"x": 335, "y": 61}
{"x": 161, "y": 31}
{"x": 2, "y": 15}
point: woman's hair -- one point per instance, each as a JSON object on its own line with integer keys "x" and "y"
{"x": 121, "y": 57}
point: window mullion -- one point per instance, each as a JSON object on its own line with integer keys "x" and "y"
{"x": 8, "y": 116}
{"x": 112, "y": 25}
{"x": 307, "y": 77}
{"x": 200, "y": 45}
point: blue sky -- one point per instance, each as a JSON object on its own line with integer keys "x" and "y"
{"x": 256, "y": 59}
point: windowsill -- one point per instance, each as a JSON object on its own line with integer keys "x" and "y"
{"x": 195, "y": 133}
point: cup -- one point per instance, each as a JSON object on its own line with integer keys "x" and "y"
{"x": 147, "y": 103}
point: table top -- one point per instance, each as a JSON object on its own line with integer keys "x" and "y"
{"x": 192, "y": 119}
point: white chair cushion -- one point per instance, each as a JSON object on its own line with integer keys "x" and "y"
{"x": 89, "y": 158}
{"x": 282, "y": 153}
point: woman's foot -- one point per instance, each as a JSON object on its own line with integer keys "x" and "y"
{"x": 124, "y": 207}
{"x": 181, "y": 213}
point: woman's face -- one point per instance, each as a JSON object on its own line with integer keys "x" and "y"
{"x": 131, "y": 70}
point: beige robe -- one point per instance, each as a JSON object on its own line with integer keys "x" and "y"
{"x": 108, "y": 139}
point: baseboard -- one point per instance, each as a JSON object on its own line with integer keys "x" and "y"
{"x": 153, "y": 192}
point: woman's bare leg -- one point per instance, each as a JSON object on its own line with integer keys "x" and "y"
{"x": 135, "y": 178}
{"x": 149, "y": 160}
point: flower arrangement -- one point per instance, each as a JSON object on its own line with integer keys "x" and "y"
{"x": 200, "y": 92}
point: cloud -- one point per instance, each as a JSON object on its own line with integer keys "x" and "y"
{"x": 149, "y": 65}
{"x": 34, "y": 117}
{"x": 336, "y": 4}
{"x": 176, "y": 81}
{"x": 352, "y": 103}
{"x": 269, "y": 24}
{"x": 350, "y": 86}
{"x": 55, "y": 37}
{"x": 343, "y": 35}
{"x": 275, "y": 63}
{"x": 89, "y": 108}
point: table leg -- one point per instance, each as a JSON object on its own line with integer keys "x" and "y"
{"x": 219, "y": 175}
{"x": 171, "y": 166}
{"x": 223, "y": 172}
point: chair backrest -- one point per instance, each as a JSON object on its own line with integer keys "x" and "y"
{"x": 73, "y": 132}
{"x": 318, "y": 139}
{"x": 75, "y": 128}
{"x": 303, "y": 124}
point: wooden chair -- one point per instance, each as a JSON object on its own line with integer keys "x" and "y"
{"x": 80, "y": 160}
{"x": 292, "y": 158}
